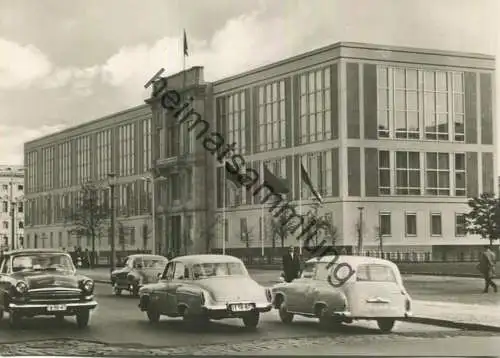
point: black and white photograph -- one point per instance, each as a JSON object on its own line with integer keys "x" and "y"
{"x": 249, "y": 177}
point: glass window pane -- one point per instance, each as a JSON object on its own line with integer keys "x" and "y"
{"x": 327, "y": 78}
{"x": 429, "y": 80}
{"x": 401, "y": 121}
{"x": 282, "y": 89}
{"x": 383, "y": 120}
{"x": 384, "y": 159}
{"x": 441, "y": 102}
{"x": 382, "y": 77}
{"x": 441, "y": 81}
{"x": 385, "y": 178}
{"x": 412, "y": 101}
{"x": 312, "y": 102}
{"x": 402, "y": 178}
{"x": 303, "y": 84}
{"x": 457, "y": 82}
{"x": 444, "y": 180}
{"x": 429, "y": 104}
{"x": 399, "y": 78}
{"x": 460, "y": 161}
{"x": 432, "y": 179}
{"x": 443, "y": 161}
{"x": 319, "y": 78}
{"x": 459, "y": 103}
{"x": 312, "y": 88}
{"x": 275, "y": 91}
{"x": 411, "y": 79}
{"x": 303, "y": 105}
{"x": 319, "y": 101}
{"x": 327, "y": 99}
{"x": 401, "y": 160}
{"x": 431, "y": 160}
{"x": 414, "y": 160}
{"x": 414, "y": 179}
{"x": 383, "y": 99}
{"x": 412, "y": 121}
{"x": 460, "y": 180}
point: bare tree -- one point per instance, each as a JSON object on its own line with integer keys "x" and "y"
{"x": 88, "y": 216}
{"x": 281, "y": 228}
{"x": 380, "y": 239}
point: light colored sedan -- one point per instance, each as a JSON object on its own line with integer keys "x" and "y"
{"x": 203, "y": 287}
{"x": 352, "y": 288}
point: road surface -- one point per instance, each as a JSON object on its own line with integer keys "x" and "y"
{"x": 118, "y": 324}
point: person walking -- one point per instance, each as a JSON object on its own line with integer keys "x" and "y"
{"x": 487, "y": 268}
{"x": 291, "y": 265}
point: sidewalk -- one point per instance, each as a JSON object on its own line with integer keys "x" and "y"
{"x": 484, "y": 316}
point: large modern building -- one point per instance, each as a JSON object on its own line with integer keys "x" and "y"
{"x": 395, "y": 140}
{"x": 12, "y": 211}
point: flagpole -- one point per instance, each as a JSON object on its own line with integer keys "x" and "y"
{"x": 224, "y": 212}
{"x": 262, "y": 226}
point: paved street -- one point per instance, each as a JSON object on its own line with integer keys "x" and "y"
{"x": 118, "y": 322}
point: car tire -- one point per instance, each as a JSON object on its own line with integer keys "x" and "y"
{"x": 386, "y": 324}
{"x": 153, "y": 314}
{"x": 14, "y": 319}
{"x": 285, "y": 316}
{"x": 197, "y": 322}
{"x": 116, "y": 290}
{"x": 251, "y": 320}
{"x": 82, "y": 318}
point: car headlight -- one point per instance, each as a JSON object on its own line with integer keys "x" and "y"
{"x": 88, "y": 286}
{"x": 21, "y": 287}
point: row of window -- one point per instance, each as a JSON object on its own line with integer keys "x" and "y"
{"x": 6, "y": 187}
{"x": 5, "y": 207}
{"x": 5, "y": 225}
{"x": 435, "y": 229}
{"x": 418, "y": 104}
{"x": 79, "y": 162}
{"x": 419, "y": 173}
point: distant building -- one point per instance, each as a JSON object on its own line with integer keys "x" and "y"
{"x": 406, "y": 134}
{"x": 11, "y": 198}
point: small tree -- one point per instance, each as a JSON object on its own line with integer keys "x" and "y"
{"x": 89, "y": 215}
{"x": 247, "y": 236}
{"x": 484, "y": 217}
{"x": 281, "y": 228}
{"x": 380, "y": 239}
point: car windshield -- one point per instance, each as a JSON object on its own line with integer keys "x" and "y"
{"x": 380, "y": 273}
{"x": 218, "y": 269}
{"x": 42, "y": 262}
{"x": 154, "y": 263}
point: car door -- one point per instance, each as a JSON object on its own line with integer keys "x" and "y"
{"x": 177, "y": 280}
{"x": 298, "y": 289}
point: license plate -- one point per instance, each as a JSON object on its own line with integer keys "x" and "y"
{"x": 241, "y": 307}
{"x": 56, "y": 308}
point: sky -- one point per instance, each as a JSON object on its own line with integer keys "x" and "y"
{"x": 63, "y": 63}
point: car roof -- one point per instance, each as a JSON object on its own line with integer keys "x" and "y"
{"x": 147, "y": 256}
{"x": 206, "y": 258}
{"x": 34, "y": 251}
{"x": 352, "y": 260}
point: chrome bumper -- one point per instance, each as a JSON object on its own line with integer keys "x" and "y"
{"x": 346, "y": 314}
{"x": 261, "y": 307}
{"x": 89, "y": 304}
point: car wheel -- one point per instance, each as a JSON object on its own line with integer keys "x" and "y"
{"x": 251, "y": 320}
{"x": 325, "y": 321}
{"x": 14, "y": 319}
{"x": 116, "y": 290}
{"x": 386, "y": 324}
{"x": 194, "y": 321}
{"x": 82, "y": 318}
{"x": 153, "y": 314}
{"x": 285, "y": 316}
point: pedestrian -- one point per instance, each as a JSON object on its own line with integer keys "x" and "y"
{"x": 291, "y": 265}
{"x": 487, "y": 268}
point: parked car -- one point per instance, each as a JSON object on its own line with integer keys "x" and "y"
{"x": 204, "y": 287}
{"x": 136, "y": 271}
{"x": 43, "y": 282}
{"x": 374, "y": 291}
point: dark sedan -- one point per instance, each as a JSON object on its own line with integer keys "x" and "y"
{"x": 136, "y": 271}
{"x": 43, "y": 282}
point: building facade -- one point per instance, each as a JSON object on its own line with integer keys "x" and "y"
{"x": 394, "y": 139}
{"x": 12, "y": 211}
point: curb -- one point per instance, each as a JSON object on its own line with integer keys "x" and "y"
{"x": 453, "y": 324}
{"x": 471, "y": 275}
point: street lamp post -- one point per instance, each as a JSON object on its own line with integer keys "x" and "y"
{"x": 360, "y": 230}
{"x": 111, "y": 177}
{"x": 13, "y": 224}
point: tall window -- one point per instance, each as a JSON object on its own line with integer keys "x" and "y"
{"x": 406, "y": 103}
{"x": 408, "y": 173}
{"x": 65, "y": 164}
{"x": 436, "y": 106}
{"x": 460, "y": 177}
{"x": 410, "y": 224}
{"x": 438, "y": 174}
{"x": 460, "y": 225}
{"x": 385, "y": 224}
{"x": 319, "y": 168}
{"x": 126, "y": 137}
{"x": 436, "y": 229}
{"x": 384, "y": 172}
{"x": 277, "y": 167}
{"x": 173, "y": 133}
{"x": 315, "y": 106}
{"x": 458, "y": 106}
{"x": 104, "y": 153}
{"x": 146, "y": 128}
{"x": 83, "y": 157}
{"x": 236, "y": 124}
{"x": 272, "y": 124}
{"x": 175, "y": 190}
{"x": 188, "y": 180}
{"x": 48, "y": 168}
